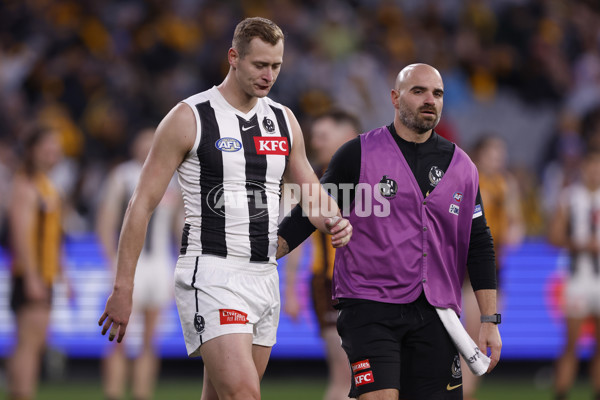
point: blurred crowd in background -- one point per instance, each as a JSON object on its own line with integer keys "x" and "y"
{"x": 99, "y": 71}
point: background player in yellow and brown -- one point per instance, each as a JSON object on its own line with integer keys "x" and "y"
{"x": 35, "y": 233}
{"x": 328, "y": 132}
{"x": 500, "y": 194}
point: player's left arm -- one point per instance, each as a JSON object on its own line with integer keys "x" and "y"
{"x": 322, "y": 210}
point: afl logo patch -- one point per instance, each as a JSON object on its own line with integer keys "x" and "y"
{"x": 458, "y": 196}
{"x": 388, "y": 187}
{"x": 435, "y": 175}
{"x": 228, "y": 144}
{"x": 269, "y": 125}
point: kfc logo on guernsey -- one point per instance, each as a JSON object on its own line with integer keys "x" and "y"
{"x": 360, "y": 365}
{"x": 364, "y": 378}
{"x": 232, "y": 317}
{"x": 271, "y": 145}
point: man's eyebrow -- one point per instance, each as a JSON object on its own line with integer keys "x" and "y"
{"x": 436, "y": 90}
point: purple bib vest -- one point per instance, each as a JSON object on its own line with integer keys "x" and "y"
{"x": 411, "y": 243}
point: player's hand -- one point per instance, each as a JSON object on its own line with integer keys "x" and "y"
{"x": 489, "y": 338}
{"x": 282, "y": 247}
{"x": 291, "y": 306}
{"x": 340, "y": 229}
{"x": 116, "y": 314}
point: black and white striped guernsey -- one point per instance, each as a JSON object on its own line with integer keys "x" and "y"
{"x": 231, "y": 178}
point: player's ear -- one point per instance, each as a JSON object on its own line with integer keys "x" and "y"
{"x": 233, "y": 57}
{"x": 395, "y": 95}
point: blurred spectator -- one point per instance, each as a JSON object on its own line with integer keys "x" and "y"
{"x": 575, "y": 226}
{"x": 501, "y": 202}
{"x": 35, "y": 247}
{"x": 153, "y": 287}
{"x": 563, "y": 168}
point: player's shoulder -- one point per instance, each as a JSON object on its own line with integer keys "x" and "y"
{"x": 200, "y": 97}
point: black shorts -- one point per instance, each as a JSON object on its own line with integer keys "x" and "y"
{"x": 18, "y": 297}
{"x": 399, "y": 346}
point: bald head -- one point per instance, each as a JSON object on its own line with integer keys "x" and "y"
{"x": 417, "y": 72}
{"x": 418, "y": 97}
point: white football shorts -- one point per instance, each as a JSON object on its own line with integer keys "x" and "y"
{"x": 217, "y": 296}
{"x": 582, "y": 295}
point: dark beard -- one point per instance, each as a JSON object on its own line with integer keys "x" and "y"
{"x": 412, "y": 121}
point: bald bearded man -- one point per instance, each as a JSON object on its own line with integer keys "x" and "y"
{"x": 419, "y": 225}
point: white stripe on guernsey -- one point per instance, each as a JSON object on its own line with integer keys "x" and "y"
{"x": 234, "y": 176}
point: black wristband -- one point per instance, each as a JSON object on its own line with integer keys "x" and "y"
{"x": 295, "y": 228}
{"x": 494, "y": 318}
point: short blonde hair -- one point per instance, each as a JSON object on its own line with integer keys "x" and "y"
{"x": 255, "y": 27}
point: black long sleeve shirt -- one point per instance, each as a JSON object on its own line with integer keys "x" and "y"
{"x": 428, "y": 162}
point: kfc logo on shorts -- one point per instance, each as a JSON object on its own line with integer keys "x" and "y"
{"x": 364, "y": 378}
{"x": 360, "y": 365}
{"x": 271, "y": 145}
{"x": 232, "y": 317}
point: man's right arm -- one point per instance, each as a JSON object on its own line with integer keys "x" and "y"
{"x": 174, "y": 137}
{"x": 343, "y": 168}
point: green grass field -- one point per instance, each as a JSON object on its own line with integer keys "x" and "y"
{"x": 303, "y": 389}
{"x": 296, "y": 380}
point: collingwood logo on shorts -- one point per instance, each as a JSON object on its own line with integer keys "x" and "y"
{"x": 199, "y": 323}
{"x": 456, "y": 371}
{"x": 435, "y": 175}
{"x": 388, "y": 187}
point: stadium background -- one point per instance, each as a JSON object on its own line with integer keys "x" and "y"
{"x": 528, "y": 70}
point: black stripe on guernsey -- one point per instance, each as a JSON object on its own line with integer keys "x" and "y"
{"x": 185, "y": 236}
{"x": 212, "y": 231}
{"x": 283, "y": 129}
{"x": 256, "y": 173}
